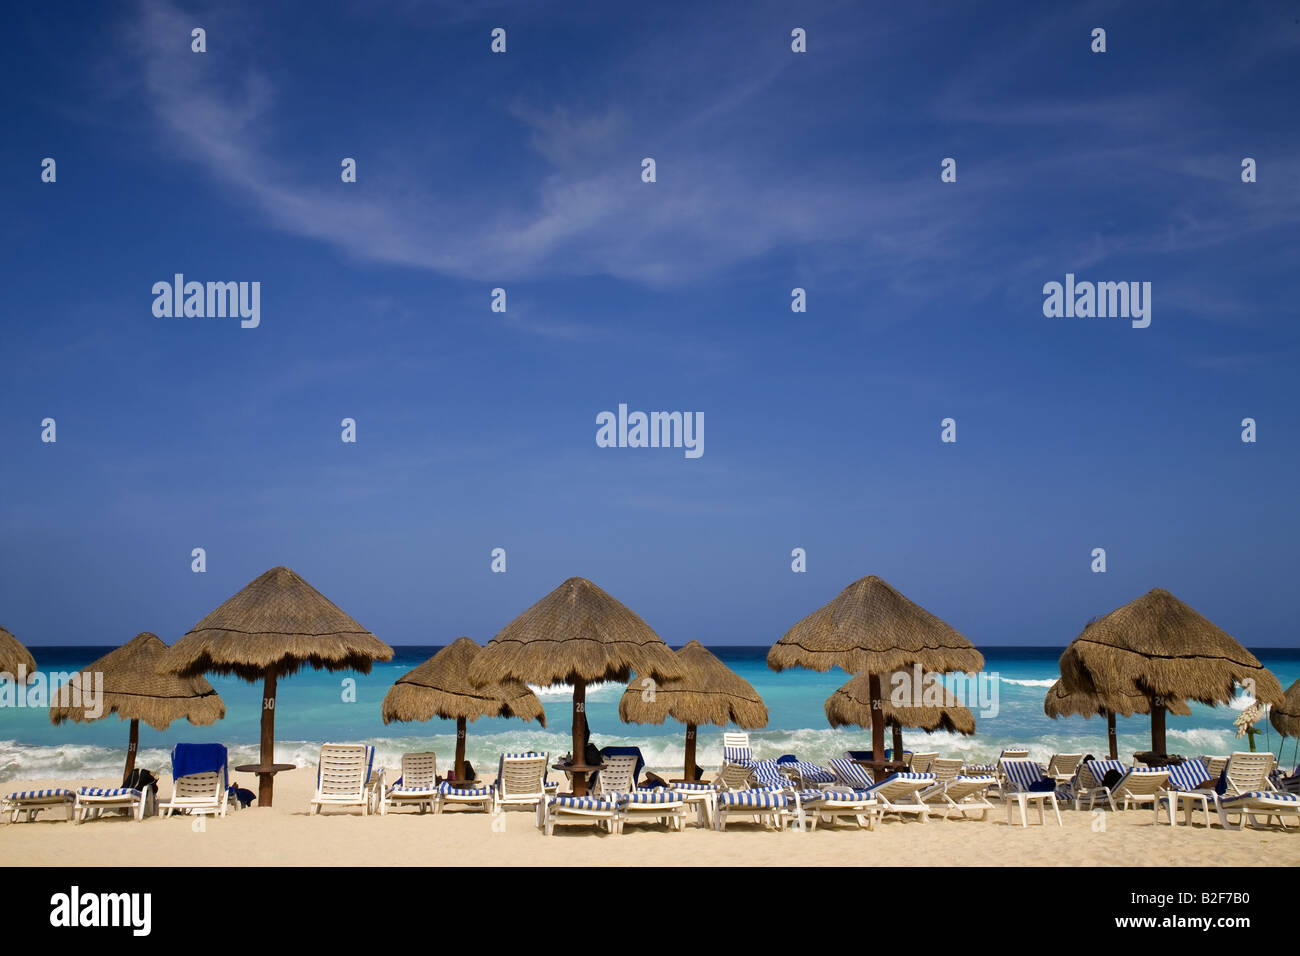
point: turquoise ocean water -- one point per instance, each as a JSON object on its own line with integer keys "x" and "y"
{"x": 311, "y": 710}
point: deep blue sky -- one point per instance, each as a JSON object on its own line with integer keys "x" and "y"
{"x": 775, "y": 170}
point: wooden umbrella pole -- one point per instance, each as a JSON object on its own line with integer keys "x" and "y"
{"x": 460, "y": 748}
{"x": 1157, "y": 727}
{"x": 131, "y": 748}
{"x": 898, "y": 742}
{"x": 266, "y": 781}
{"x": 690, "y": 753}
{"x": 579, "y": 736}
{"x": 1111, "y": 737}
{"x": 877, "y": 721}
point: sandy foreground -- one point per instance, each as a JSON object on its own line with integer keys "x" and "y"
{"x": 287, "y": 835}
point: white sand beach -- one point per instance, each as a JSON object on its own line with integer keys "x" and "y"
{"x": 287, "y": 835}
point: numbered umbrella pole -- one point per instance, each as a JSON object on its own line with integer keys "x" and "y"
{"x": 266, "y": 781}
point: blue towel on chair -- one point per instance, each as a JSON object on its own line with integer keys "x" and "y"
{"x": 198, "y": 758}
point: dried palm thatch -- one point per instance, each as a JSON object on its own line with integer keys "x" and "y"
{"x": 578, "y": 632}
{"x": 440, "y": 687}
{"x": 1061, "y": 702}
{"x": 1160, "y": 647}
{"x": 277, "y": 623}
{"x": 134, "y": 689}
{"x": 1285, "y": 717}
{"x": 850, "y": 706}
{"x": 575, "y": 634}
{"x": 871, "y": 628}
{"x": 708, "y": 692}
{"x": 14, "y": 658}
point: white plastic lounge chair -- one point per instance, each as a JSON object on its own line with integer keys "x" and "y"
{"x": 1062, "y": 767}
{"x": 1185, "y": 790}
{"x": 1135, "y": 787}
{"x": 478, "y": 798}
{"x": 701, "y": 795}
{"x": 30, "y": 803}
{"x": 955, "y": 791}
{"x": 346, "y": 777}
{"x": 198, "y": 793}
{"x": 743, "y": 793}
{"x": 521, "y": 782}
{"x": 899, "y": 793}
{"x": 617, "y": 781}
{"x": 1251, "y": 795}
{"x": 1090, "y": 779}
{"x": 599, "y": 807}
{"x": 417, "y": 785}
{"x": 1214, "y": 764}
{"x": 922, "y": 762}
{"x": 736, "y": 750}
{"x": 94, "y": 801}
{"x": 804, "y": 774}
{"x": 1018, "y": 775}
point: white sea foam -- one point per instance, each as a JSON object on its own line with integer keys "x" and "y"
{"x": 1045, "y": 682}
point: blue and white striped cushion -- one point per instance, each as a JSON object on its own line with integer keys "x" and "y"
{"x": 694, "y": 786}
{"x": 851, "y": 772}
{"x": 400, "y": 788}
{"x": 1099, "y": 768}
{"x": 447, "y": 790}
{"x": 1272, "y": 796}
{"x": 766, "y": 799}
{"x": 107, "y": 792}
{"x": 1188, "y": 775}
{"x": 1021, "y": 773}
{"x": 810, "y": 772}
{"x": 584, "y": 803}
{"x": 981, "y": 778}
{"x": 51, "y": 794}
{"x": 847, "y": 796}
{"x": 741, "y": 756}
{"x": 768, "y": 774}
{"x": 650, "y": 797}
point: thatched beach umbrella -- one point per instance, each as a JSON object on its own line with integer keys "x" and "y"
{"x": 440, "y": 687}
{"x": 1159, "y": 647}
{"x": 272, "y": 627}
{"x": 872, "y": 630}
{"x": 1084, "y": 702}
{"x": 15, "y": 659}
{"x": 850, "y": 706}
{"x": 708, "y": 692}
{"x": 1285, "y": 716}
{"x": 127, "y": 682}
{"x": 575, "y": 635}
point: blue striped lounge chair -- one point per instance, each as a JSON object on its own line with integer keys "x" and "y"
{"x": 418, "y": 784}
{"x": 31, "y": 803}
{"x": 1184, "y": 790}
{"x": 899, "y": 793}
{"x": 1090, "y": 780}
{"x": 521, "y": 782}
{"x": 200, "y": 781}
{"x": 618, "y": 782}
{"x": 958, "y": 792}
{"x": 1250, "y": 794}
{"x": 762, "y": 792}
{"x": 703, "y": 796}
{"x": 94, "y": 801}
{"x": 736, "y": 750}
{"x": 346, "y": 776}
{"x": 807, "y": 775}
{"x": 1019, "y": 775}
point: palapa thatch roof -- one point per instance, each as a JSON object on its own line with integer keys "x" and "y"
{"x": 440, "y": 687}
{"x": 1061, "y": 702}
{"x": 14, "y": 657}
{"x": 276, "y": 624}
{"x": 134, "y": 689}
{"x": 708, "y": 692}
{"x": 871, "y": 628}
{"x": 1285, "y": 717}
{"x": 1160, "y": 647}
{"x": 850, "y": 706}
{"x": 577, "y": 632}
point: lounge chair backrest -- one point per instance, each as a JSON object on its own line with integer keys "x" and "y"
{"x": 1142, "y": 781}
{"x": 850, "y": 773}
{"x": 945, "y": 770}
{"x": 1017, "y": 752}
{"x": 618, "y": 775}
{"x": 768, "y": 774}
{"x": 1214, "y": 765}
{"x": 734, "y": 776}
{"x": 1063, "y": 765}
{"x": 420, "y": 771}
{"x": 1188, "y": 775}
{"x": 1021, "y": 772}
{"x": 923, "y": 762}
{"x": 737, "y": 751}
{"x": 344, "y": 769}
{"x": 1247, "y": 772}
{"x": 1093, "y": 772}
{"x": 199, "y": 786}
{"x": 522, "y": 774}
